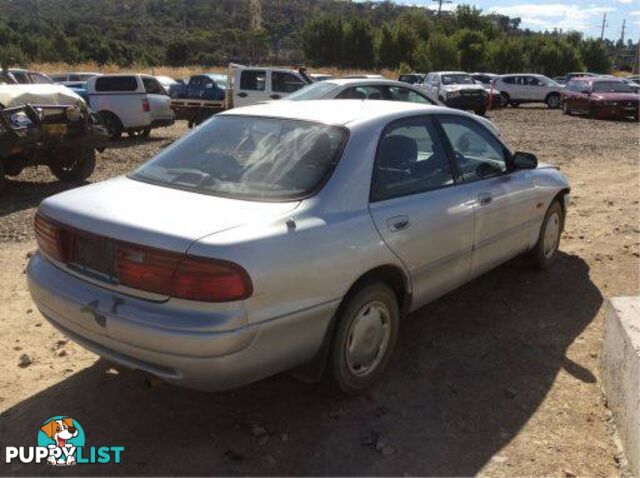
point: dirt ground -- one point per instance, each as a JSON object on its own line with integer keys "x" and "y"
{"x": 497, "y": 378}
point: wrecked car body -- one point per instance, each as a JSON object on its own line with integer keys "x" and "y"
{"x": 47, "y": 125}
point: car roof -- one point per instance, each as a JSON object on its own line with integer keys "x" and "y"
{"x": 333, "y": 112}
{"x": 364, "y": 82}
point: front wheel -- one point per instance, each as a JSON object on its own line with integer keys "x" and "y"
{"x": 565, "y": 108}
{"x": 77, "y": 166}
{"x": 546, "y": 249}
{"x": 139, "y": 133}
{"x": 365, "y": 336}
{"x": 480, "y": 111}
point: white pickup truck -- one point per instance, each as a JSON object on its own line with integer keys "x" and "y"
{"x": 247, "y": 86}
{"x": 130, "y": 102}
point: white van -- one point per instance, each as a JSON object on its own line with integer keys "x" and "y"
{"x": 253, "y": 85}
{"x": 130, "y": 102}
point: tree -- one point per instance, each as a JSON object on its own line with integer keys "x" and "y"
{"x": 357, "y": 48}
{"x": 178, "y": 53}
{"x": 595, "y": 56}
{"x": 471, "y": 49}
{"x": 421, "y": 59}
{"x": 322, "y": 40}
{"x": 385, "y": 46}
{"x": 505, "y": 55}
{"x": 442, "y": 52}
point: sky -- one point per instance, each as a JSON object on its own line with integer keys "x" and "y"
{"x": 582, "y": 15}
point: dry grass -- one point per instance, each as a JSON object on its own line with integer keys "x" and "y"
{"x": 175, "y": 72}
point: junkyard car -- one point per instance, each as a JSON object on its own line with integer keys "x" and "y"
{"x": 47, "y": 125}
{"x": 600, "y": 97}
{"x": 289, "y": 233}
{"x": 457, "y": 89}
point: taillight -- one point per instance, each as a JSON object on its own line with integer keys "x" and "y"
{"x": 52, "y": 239}
{"x": 211, "y": 280}
{"x": 145, "y": 105}
{"x": 146, "y": 269}
{"x": 153, "y": 270}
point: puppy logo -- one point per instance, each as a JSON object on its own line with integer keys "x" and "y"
{"x": 62, "y": 436}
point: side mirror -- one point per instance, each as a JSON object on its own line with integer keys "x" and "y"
{"x": 523, "y": 160}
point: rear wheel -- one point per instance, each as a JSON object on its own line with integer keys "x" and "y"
{"x": 546, "y": 249}
{"x": 77, "y": 166}
{"x": 514, "y": 104}
{"x": 481, "y": 111}
{"x": 365, "y": 336}
{"x": 505, "y": 98}
{"x": 112, "y": 123}
{"x": 553, "y": 100}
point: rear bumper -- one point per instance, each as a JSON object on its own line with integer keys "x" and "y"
{"x": 190, "y": 347}
{"x": 162, "y": 122}
{"x": 618, "y": 111}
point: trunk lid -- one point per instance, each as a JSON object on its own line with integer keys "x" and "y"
{"x": 123, "y": 210}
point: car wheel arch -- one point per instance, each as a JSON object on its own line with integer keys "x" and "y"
{"x": 390, "y": 274}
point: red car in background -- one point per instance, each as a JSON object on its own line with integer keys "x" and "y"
{"x": 600, "y": 98}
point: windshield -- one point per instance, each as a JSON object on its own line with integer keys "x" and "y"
{"x": 611, "y": 87}
{"x": 457, "y": 79}
{"x": 312, "y": 92}
{"x": 249, "y": 157}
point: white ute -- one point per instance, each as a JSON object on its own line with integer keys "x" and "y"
{"x": 132, "y": 103}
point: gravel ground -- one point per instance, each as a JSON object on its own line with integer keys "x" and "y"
{"x": 497, "y": 378}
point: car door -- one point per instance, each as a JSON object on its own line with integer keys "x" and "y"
{"x": 284, "y": 83}
{"x": 159, "y": 101}
{"x": 422, "y": 216}
{"x": 505, "y": 202}
{"x": 250, "y": 87}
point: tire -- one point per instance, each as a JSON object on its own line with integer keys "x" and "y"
{"x": 112, "y": 123}
{"x": 481, "y": 111}
{"x": 78, "y": 167}
{"x": 505, "y": 99}
{"x": 139, "y": 133}
{"x": 3, "y": 178}
{"x": 514, "y": 104}
{"x": 565, "y": 108}
{"x": 369, "y": 318}
{"x": 553, "y": 101}
{"x": 545, "y": 251}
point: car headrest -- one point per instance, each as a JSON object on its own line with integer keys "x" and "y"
{"x": 398, "y": 151}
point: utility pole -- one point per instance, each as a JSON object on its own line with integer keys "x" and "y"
{"x": 440, "y": 2}
{"x": 624, "y": 20}
{"x": 604, "y": 24}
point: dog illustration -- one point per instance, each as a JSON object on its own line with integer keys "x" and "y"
{"x": 60, "y": 431}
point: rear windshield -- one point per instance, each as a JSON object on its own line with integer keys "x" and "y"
{"x": 247, "y": 157}
{"x": 312, "y": 92}
{"x": 116, "y": 83}
{"x": 611, "y": 87}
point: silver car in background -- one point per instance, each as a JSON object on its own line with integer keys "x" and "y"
{"x": 362, "y": 89}
{"x": 289, "y": 234}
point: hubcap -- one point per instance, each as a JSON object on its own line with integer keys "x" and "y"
{"x": 368, "y": 339}
{"x": 551, "y": 235}
{"x": 553, "y": 101}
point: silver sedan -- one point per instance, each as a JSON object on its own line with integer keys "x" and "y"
{"x": 362, "y": 89}
{"x": 289, "y": 234}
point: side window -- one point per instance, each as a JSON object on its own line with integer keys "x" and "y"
{"x": 397, "y": 93}
{"x": 116, "y": 83}
{"x": 152, "y": 86}
{"x": 364, "y": 92}
{"x": 284, "y": 82}
{"x": 532, "y": 81}
{"x": 509, "y": 80}
{"x": 39, "y": 79}
{"x": 409, "y": 161}
{"x": 253, "y": 80}
{"x": 478, "y": 153}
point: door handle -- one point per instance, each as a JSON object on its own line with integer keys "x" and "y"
{"x": 242, "y": 95}
{"x": 485, "y": 198}
{"x": 398, "y": 223}
{"x": 274, "y": 97}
